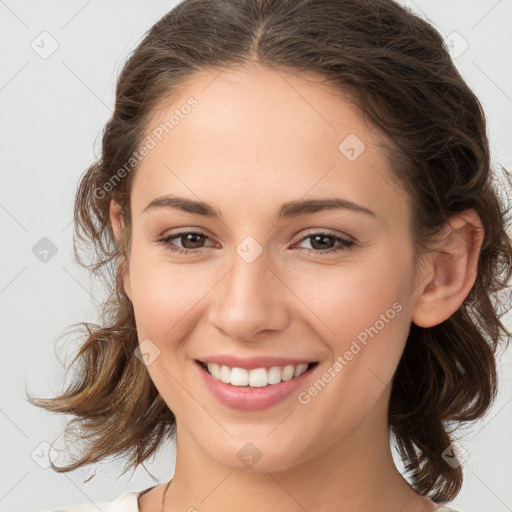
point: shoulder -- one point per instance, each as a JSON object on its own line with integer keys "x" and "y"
{"x": 127, "y": 502}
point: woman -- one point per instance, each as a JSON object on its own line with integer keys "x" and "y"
{"x": 296, "y": 201}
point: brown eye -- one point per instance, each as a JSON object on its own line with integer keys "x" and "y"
{"x": 322, "y": 243}
{"x": 191, "y": 241}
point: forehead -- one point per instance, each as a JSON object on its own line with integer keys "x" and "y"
{"x": 253, "y": 103}
{"x": 261, "y": 133}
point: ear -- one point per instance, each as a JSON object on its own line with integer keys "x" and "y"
{"x": 450, "y": 271}
{"x": 118, "y": 225}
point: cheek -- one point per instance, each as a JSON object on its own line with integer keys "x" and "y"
{"x": 350, "y": 297}
{"x": 166, "y": 297}
{"x": 160, "y": 297}
{"x": 363, "y": 314}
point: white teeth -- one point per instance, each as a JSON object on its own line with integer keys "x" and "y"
{"x": 239, "y": 377}
{"x": 288, "y": 372}
{"x": 224, "y": 374}
{"x": 256, "y": 378}
{"x": 274, "y": 375}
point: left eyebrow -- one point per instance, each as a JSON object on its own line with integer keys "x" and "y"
{"x": 307, "y": 206}
{"x": 289, "y": 209}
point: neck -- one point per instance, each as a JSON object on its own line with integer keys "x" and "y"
{"x": 354, "y": 474}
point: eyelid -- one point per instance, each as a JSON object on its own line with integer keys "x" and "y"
{"x": 313, "y": 231}
{"x": 183, "y": 230}
{"x": 167, "y": 236}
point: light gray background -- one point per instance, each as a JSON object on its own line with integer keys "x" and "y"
{"x": 53, "y": 110}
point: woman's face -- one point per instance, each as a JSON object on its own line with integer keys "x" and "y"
{"x": 267, "y": 278}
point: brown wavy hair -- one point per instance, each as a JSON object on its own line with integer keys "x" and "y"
{"x": 396, "y": 69}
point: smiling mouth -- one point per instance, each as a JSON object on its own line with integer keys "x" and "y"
{"x": 257, "y": 377}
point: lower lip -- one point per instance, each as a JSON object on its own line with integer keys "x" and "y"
{"x": 252, "y": 399}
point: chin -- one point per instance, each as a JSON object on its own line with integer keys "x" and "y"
{"x": 257, "y": 457}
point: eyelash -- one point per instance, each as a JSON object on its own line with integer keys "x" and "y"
{"x": 345, "y": 244}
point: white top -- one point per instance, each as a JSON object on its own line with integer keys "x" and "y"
{"x": 128, "y": 502}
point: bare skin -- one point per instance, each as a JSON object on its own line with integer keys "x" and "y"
{"x": 256, "y": 139}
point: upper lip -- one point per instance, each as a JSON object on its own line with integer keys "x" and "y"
{"x": 249, "y": 363}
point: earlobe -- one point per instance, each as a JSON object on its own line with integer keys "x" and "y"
{"x": 118, "y": 225}
{"x": 451, "y": 270}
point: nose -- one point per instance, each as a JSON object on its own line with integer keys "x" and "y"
{"x": 251, "y": 298}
